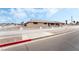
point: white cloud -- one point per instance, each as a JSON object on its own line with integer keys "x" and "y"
{"x": 23, "y": 14}
{"x": 18, "y": 13}
{"x": 51, "y": 12}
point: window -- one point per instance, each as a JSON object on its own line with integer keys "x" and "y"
{"x": 52, "y": 23}
{"x": 45, "y": 23}
{"x": 35, "y": 23}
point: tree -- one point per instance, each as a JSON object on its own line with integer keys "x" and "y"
{"x": 73, "y": 21}
{"x": 66, "y": 21}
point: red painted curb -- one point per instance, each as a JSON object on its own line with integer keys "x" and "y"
{"x": 12, "y": 43}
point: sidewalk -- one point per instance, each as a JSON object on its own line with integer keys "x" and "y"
{"x": 46, "y": 32}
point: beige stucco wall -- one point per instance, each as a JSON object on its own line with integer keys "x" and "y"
{"x": 31, "y": 25}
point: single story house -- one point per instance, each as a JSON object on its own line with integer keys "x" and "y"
{"x": 42, "y": 23}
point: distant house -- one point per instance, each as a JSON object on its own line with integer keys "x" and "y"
{"x": 42, "y": 23}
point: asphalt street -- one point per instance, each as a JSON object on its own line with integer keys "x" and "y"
{"x": 64, "y": 42}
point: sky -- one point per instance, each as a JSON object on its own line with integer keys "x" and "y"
{"x": 18, "y": 15}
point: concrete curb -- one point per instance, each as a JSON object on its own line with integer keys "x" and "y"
{"x": 13, "y": 43}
